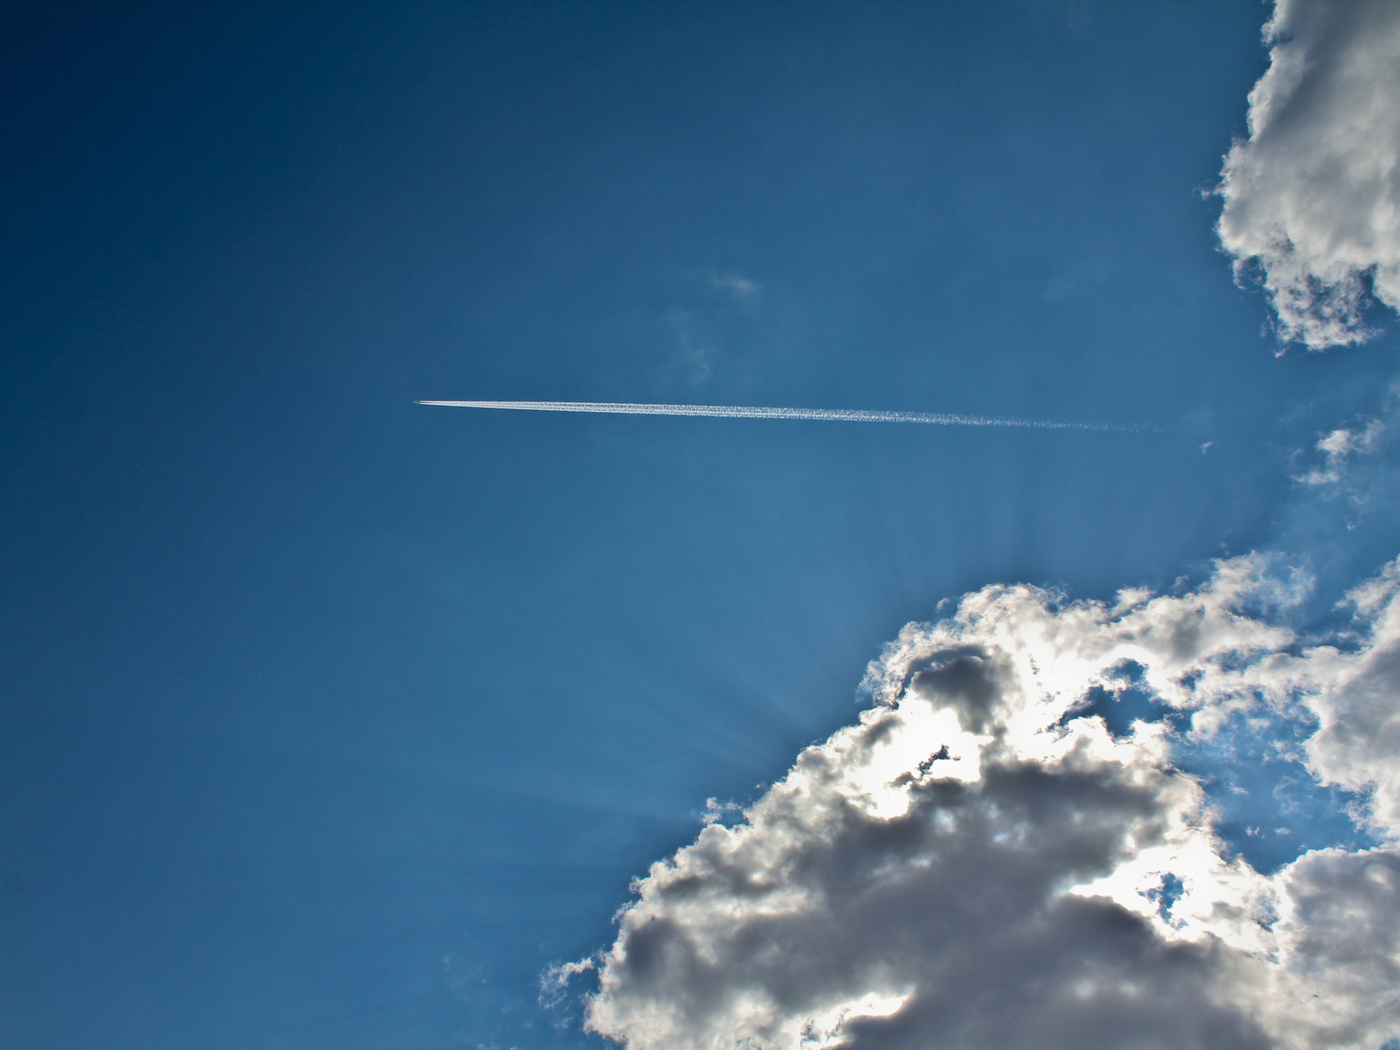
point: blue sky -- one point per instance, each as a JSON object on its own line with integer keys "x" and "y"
{"x": 334, "y": 720}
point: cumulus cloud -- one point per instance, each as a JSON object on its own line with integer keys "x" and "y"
{"x": 1312, "y": 196}
{"x": 987, "y": 859}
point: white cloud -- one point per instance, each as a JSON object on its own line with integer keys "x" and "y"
{"x": 981, "y": 862}
{"x": 1337, "y": 446}
{"x": 1356, "y": 698}
{"x": 1312, "y": 197}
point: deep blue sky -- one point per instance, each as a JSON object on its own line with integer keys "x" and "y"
{"x": 328, "y": 720}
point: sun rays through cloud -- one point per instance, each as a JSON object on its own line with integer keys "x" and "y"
{"x": 983, "y": 635}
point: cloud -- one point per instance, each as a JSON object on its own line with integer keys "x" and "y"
{"x": 736, "y": 284}
{"x": 1337, "y": 446}
{"x": 993, "y": 857}
{"x": 696, "y": 346}
{"x": 1312, "y": 196}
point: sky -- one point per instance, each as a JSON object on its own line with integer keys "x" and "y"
{"x": 332, "y": 719}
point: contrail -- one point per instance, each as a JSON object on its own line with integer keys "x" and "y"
{"x": 840, "y": 415}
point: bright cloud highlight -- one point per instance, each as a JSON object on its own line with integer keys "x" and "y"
{"x": 994, "y": 858}
{"x": 1312, "y": 197}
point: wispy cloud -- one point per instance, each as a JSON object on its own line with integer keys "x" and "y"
{"x": 1312, "y": 196}
{"x": 836, "y": 415}
{"x": 736, "y": 284}
{"x": 1337, "y": 447}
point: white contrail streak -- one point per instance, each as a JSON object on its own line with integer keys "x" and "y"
{"x": 840, "y": 415}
